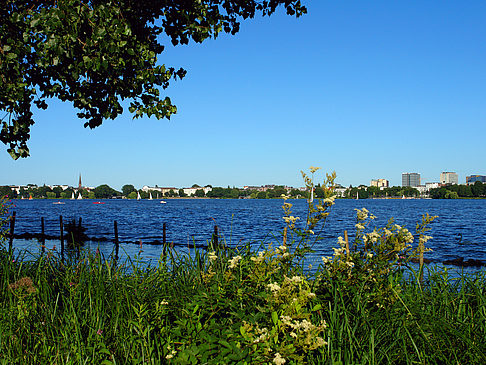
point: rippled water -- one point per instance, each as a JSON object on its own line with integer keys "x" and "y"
{"x": 460, "y": 230}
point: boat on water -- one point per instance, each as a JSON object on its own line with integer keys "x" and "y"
{"x": 30, "y": 197}
{"x": 58, "y": 202}
{"x": 150, "y": 196}
{"x": 138, "y": 195}
{"x": 72, "y": 196}
{"x": 98, "y": 203}
{"x": 163, "y": 202}
{"x": 80, "y": 196}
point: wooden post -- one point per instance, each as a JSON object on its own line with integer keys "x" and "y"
{"x": 285, "y": 236}
{"x": 164, "y": 233}
{"x": 78, "y": 244}
{"x": 421, "y": 261}
{"x": 117, "y": 245}
{"x": 215, "y": 237}
{"x": 347, "y": 243}
{"x": 11, "y": 233}
{"x": 43, "y": 240}
{"x": 61, "y": 227}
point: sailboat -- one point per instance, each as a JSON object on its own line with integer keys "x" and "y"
{"x": 138, "y": 195}
{"x": 150, "y": 196}
{"x": 357, "y": 196}
{"x": 72, "y": 196}
{"x": 80, "y": 196}
{"x": 30, "y": 197}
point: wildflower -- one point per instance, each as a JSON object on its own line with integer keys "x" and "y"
{"x": 24, "y": 283}
{"x": 273, "y": 287}
{"x": 234, "y": 261}
{"x": 359, "y": 226}
{"x": 350, "y": 263}
{"x": 369, "y": 255}
{"x": 290, "y": 219}
{"x": 296, "y": 279}
{"x": 293, "y": 334}
{"x": 338, "y": 251}
{"x": 310, "y": 231}
{"x": 278, "y": 359}
{"x": 99, "y": 332}
{"x": 320, "y": 342}
{"x": 326, "y": 259}
{"x": 212, "y": 256}
{"x": 164, "y": 302}
{"x": 341, "y": 241}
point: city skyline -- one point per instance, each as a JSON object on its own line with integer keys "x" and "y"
{"x": 352, "y": 88}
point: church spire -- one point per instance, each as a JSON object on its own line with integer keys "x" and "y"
{"x": 80, "y": 186}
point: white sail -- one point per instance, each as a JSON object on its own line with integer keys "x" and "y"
{"x": 138, "y": 195}
{"x": 72, "y": 196}
{"x": 80, "y": 196}
{"x": 150, "y": 196}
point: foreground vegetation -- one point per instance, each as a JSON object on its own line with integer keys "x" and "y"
{"x": 243, "y": 305}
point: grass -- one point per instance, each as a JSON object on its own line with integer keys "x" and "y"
{"x": 199, "y": 310}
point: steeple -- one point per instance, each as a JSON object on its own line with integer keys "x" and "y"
{"x": 80, "y": 186}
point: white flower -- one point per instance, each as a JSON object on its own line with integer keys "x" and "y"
{"x": 278, "y": 359}
{"x": 359, "y": 226}
{"x": 234, "y": 261}
{"x": 273, "y": 287}
{"x": 341, "y": 241}
{"x": 212, "y": 256}
{"x": 326, "y": 259}
{"x": 164, "y": 302}
{"x": 314, "y": 169}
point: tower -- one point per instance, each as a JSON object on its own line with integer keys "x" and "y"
{"x": 80, "y": 186}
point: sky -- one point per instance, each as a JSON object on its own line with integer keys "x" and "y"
{"x": 366, "y": 89}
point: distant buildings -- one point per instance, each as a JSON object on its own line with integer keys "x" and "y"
{"x": 473, "y": 178}
{"x": 410, "y": 179}
{"x": 380, "y": 183}
{"x": 449, "y": 178}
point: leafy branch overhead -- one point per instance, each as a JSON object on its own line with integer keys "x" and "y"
{"x": 96, "y": 53}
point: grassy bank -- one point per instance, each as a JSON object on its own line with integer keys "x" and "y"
{"x": 226, "y": 307}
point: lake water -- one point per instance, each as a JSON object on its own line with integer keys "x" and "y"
{"x": 460, "y": 230}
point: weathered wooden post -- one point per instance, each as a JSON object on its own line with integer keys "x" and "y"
{"x": 117, "y": 245}
{"x": 285, "y": 236}
{"x": 11, "y": 233}
{"x": 61, "y": 227}
{"x": 215, "y": 237}
{"x": 43, "y": 240}
{"x": 164, "y": 233}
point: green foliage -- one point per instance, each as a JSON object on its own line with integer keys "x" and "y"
{"x": 95, "y": 54}
{"x": 127, "y": 189}
{"x": 105, "y": 192}
{"x": 477, "y": 190}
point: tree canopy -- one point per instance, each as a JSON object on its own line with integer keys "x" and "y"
{"x": 97, "y": 53}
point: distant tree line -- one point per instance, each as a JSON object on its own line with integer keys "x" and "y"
{"x": 477, "y": 190}
{"x": 365, "y": 192}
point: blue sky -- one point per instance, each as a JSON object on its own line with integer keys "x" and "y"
{"x": 368, "y": 89}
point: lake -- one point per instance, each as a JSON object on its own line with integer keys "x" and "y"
{"x": 460, "y": 230}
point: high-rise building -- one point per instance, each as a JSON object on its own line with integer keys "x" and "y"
{"x": 410, "y": 179}
{"x": 380, "y": 183}
{"x": 449, "y": 178}
{"x": 473, "y": 178}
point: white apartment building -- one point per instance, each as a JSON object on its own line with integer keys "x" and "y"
{"x": 449, "y": 178}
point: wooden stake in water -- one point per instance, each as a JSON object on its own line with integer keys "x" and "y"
{"x": 117, "y": 245}
{"x": 421, "y": 261}
{"x": 285, "y": 236}
{"x": 11, "y": 233}
{"x": 347, "y": 243}
{"x": 61, "y": 226}
{"x": 164, "y": 233}
{"x": 43, "y": 240}
{"x": 215, "y": 237}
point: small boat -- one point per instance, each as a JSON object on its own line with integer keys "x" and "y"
{"x": 150, "y": 196}
{"x": 80, "y": 196}
{"x": 30, "y": 197}
{"x": 138, "y": 195}
{"x": 98, "y": 203}
{"x": 72, "y": 196}
{"x": 163, "y": 202}
{"x": 58, "y": 202}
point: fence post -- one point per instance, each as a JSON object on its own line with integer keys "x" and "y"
{"x": 61, "y": 227}
{"x": 11, "y": 233}
{"x": 164, "y": 233}
{"x": 43, "y": 241}
{"x": 117, "y": 245}
{"x": 347, "y": 243}
{"x": 215, "y": 237}
{"x": 285, "y": 236}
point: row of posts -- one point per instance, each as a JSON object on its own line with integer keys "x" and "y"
{"x": 115, "y": 226}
